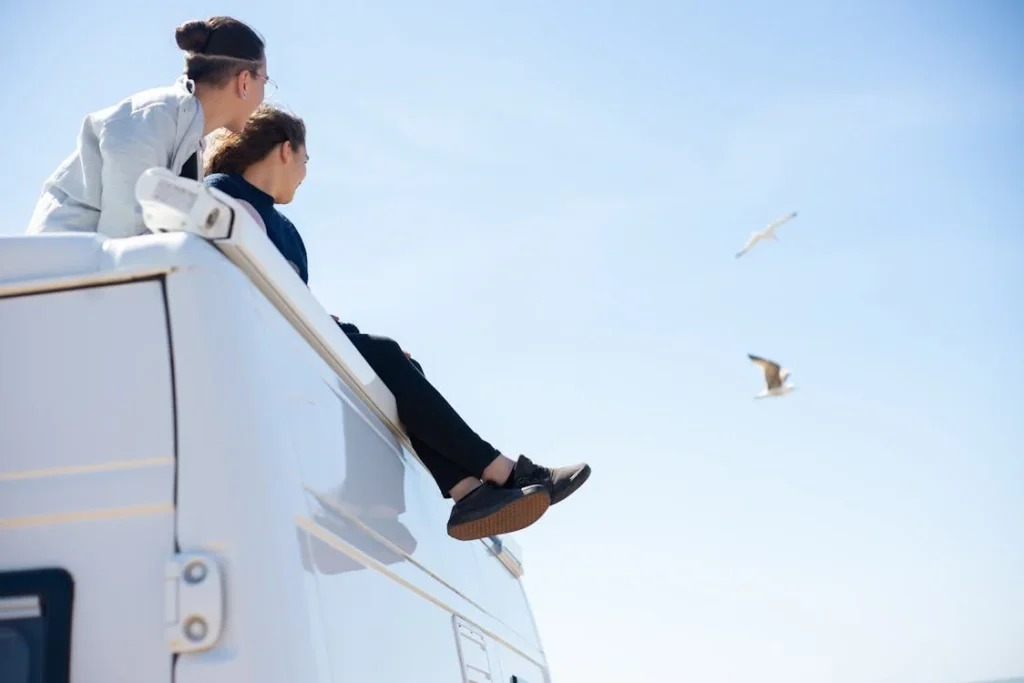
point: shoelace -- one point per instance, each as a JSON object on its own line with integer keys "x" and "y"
{"x": 535, "y": 474}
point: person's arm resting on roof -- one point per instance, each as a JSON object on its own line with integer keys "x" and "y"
{"x": 128, "y": 147}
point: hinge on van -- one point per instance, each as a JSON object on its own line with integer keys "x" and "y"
{"x": 194, "y": 602}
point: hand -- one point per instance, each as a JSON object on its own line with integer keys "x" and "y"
{"x": 347, "y": 328}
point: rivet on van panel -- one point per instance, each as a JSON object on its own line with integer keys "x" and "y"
{"x": 195, "y": 572}
{"x": 195, "y": 629}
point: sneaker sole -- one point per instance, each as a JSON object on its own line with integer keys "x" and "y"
{"x": 574, "y": 484}
{"x": 517, "y": 515}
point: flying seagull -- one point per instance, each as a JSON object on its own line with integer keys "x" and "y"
{"x": 774, "y": 377}
{"x": 766, "y": 234}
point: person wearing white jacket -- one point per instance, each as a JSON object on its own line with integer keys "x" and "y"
{"x": 93, "y": 190}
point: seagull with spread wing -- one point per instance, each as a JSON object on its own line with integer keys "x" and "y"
{"x": 774, "y": 377}
{"x": 767, "y": 234}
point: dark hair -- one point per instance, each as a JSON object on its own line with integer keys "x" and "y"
{"x": 218, "y": 48}
{"x": 267, "y": 128}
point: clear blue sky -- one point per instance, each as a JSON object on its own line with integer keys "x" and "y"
{"x": 542, "y": 201}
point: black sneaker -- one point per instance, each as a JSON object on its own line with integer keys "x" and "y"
{"x": 490, "y": 510}
{"x": 561, "y": 482}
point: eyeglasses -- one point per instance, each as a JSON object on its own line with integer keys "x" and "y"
{"x": 269, "y": 87}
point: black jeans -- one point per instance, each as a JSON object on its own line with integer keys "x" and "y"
{"x": 442, "y": 440}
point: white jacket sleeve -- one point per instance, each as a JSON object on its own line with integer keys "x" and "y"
{"x": 129, "y": 146}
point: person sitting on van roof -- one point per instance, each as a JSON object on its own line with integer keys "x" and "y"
{"x": 263, "y": 165}
{"x": 93, "y": 190}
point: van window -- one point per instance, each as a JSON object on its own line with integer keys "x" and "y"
{"x": 35, "y": 626}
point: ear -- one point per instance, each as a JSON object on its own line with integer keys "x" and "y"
{"x": 286, "y": 152}
{"x": 242, "y": 82}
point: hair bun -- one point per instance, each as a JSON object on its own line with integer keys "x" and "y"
{"x": 193, "y": 36}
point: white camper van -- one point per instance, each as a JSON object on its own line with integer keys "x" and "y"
{"x": 202, "y": 481}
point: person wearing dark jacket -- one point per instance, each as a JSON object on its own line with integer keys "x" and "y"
{"x": 262, "y": 165}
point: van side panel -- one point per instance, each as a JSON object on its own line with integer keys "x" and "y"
{"x": 238, "y": 490}
{"x": 379, "y": 611}
{"x": 261, "y": 450}
{"x": 87, "y": 463}
{"x": 504, "y": 595}
{"x": 332, "y": 537}
{"x": 518, "y": 669}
